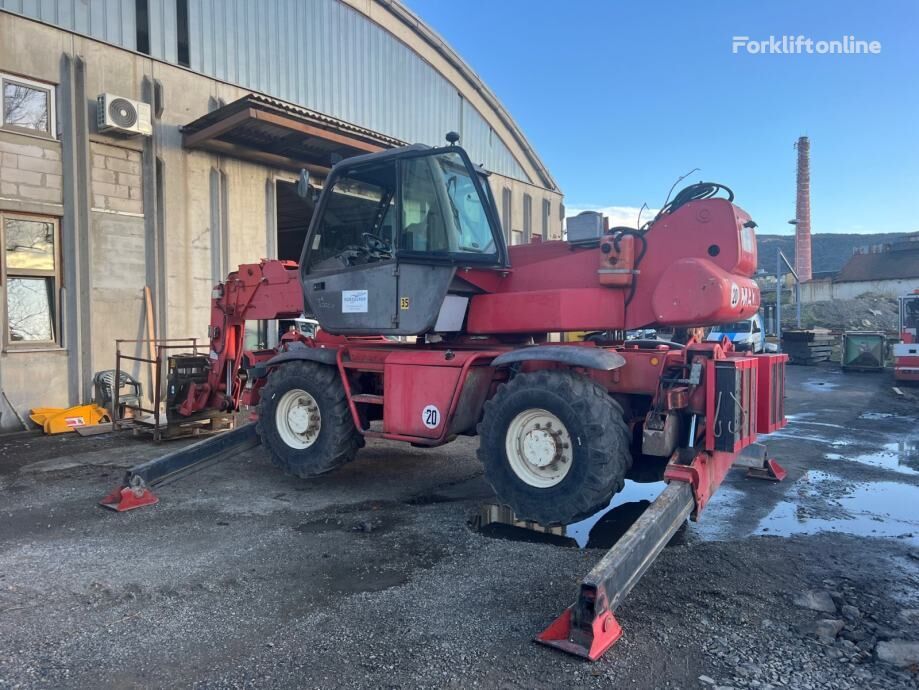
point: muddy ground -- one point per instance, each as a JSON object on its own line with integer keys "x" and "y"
{"x": 372, "y": 577}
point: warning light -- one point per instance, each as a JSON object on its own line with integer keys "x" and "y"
{"x": 655, "y": 361}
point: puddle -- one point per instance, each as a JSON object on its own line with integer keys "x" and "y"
{"x": 899, "y": 456}
{"x": 819, "y": 385}
{"x": 877, "y": 416}
{"x": 795, "y": 436}
{"x": 824, "y": 503}
{"x": 600, "y": 531}
{"x": 826, "y": 424}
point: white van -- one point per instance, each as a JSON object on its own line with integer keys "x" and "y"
{"x": 747, "y": 335}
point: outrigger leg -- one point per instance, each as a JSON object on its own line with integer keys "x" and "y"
{"x": 588, "y": 628}
{"x": 134, "y": 491}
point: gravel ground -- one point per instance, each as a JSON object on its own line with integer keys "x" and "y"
{"x": 371, "y": 576}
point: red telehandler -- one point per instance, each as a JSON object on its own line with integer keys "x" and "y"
{"x": 407, "y": 242}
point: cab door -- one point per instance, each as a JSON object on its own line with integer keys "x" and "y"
{"x": 348, "y": 267}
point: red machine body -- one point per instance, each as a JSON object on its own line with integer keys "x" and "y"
{"x": 694, "y": 268}
{"x": 906, "y": 352}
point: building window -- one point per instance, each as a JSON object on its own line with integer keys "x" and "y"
{"x": 31, "y": 274}
{"x": 527, "y": 217}
{"x": 142, "y": 21}
{"x": 27, "y": 105}
{"x": 506, "y": 210}
{"x": 561, "y": 212}
{"x": 546, "y": 212}
{"x": 182, "y": 52}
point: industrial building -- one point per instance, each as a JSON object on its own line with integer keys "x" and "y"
{"x": 150, "y": 146}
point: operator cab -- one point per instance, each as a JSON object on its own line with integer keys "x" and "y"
{"x": 390, "y": 231}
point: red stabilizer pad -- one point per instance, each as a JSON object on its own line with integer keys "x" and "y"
{"x": 605, "y": 631}
{"x": 126, "y": 498}
{"x": 771, "y": 470}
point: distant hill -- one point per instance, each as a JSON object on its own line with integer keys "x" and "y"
{"x": 830, "y": 250}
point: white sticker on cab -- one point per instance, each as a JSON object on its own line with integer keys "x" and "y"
{"x": 353, "y": 301}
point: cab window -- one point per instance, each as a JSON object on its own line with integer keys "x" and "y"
{"x": 442, "y": 211}
{"x": 356, "y": 227}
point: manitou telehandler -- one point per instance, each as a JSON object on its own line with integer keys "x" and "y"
{"x": 407, "y": 242}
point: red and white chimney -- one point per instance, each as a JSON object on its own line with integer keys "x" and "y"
{"x": 803, "y": 265}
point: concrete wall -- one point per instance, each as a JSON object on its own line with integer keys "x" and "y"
{"x": 538, "y": 194}
{"x": 116, "y": 180}
{"x": 890, "y": 288}
{"x": 30, "y": 169}
{"x": 818, "y": 290}
{"x": 822, "y": 290}
{"x": 123, "y": 227}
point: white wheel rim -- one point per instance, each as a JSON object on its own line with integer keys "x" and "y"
{"x": 538, "y": 448}
{"x": 297, "y": 419}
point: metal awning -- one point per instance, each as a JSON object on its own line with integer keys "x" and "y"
{"x": 282, "y": 135}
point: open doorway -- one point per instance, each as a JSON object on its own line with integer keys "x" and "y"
{"x": 293, "y": 219}
{"x": 294, "y": 214}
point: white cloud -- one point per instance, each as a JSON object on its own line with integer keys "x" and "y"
{"x": 618, "y": 215}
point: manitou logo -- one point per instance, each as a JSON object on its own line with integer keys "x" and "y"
{"x": 742, "y": 296}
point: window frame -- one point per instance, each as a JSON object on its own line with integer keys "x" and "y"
{"x": 527, "y": 217}
{"x": 57, "y": 342}
{"x": 51, "y": 90}
{"x": 507, "y": 209}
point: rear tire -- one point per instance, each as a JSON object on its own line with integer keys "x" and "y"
{"x": 555, "y": 446}
{"x": 305, "y": 421}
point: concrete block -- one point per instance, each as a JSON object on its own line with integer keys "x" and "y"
{"x": 21, "y": 149}
{"x": 39, "y": 164}
{"x": 124, "y": 205}
{"x": 136, "y": 193}
{"x": 110, "y": 190}
{"x": 98, "y": 161}
{"x": 126, "y": 166}
{"x": 23, "y": 176}
{"x": 8, "y": 189}
{"x": 103, "y": 175}
{"x": 108, "y": 150}
{"x": 53, "y": 154}
{"x": 9, "y": 160}
{"x": 40, "y": 193}
{"x": 129, "y": 179}
{"x": 53, "y": 181}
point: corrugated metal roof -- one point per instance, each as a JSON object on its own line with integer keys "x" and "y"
{"x": 323, "y": 55}
{"x": 891, "y": 265}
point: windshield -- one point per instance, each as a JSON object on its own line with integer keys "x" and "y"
{"x": 441, "y": 208}
{"x": 356, "y": 224}
{"x": 736, "y": 327}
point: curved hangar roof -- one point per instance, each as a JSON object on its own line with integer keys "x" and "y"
{"x": 372, "y": 63}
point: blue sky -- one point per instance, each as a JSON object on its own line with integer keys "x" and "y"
{"x": 620, "y": 99}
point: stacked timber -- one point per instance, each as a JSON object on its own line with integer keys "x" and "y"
{"x": 808, "y": 346}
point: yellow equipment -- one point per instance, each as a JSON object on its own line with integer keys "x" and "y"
{"x": 58, "y": 420}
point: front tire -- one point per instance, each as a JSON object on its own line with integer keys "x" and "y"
{"x": 305, "y": 421}
{"x": 555, "y": 446}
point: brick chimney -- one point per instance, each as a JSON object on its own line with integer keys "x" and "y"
{"x": 803, "y": 264}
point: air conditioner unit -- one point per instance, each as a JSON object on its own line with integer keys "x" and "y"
{"x": 117, "y": 115}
